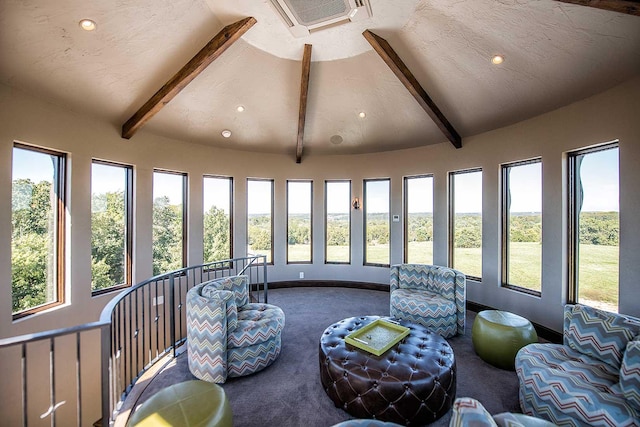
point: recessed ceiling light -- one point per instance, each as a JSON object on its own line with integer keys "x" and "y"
{"x": 362, "y": 114}
{"x": 226, "y": 133}
{"x": 497, "y": 59}
{"x": 240, "y": 108}
{"x": 87, "y": 24}
{"x": 336, "y": 139}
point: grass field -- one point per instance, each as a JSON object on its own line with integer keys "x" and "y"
{"x": 598, "y": 272}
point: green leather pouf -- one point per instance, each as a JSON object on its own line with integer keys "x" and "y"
{"x": 186, "y": 404}
{"x": 498, "y": 335}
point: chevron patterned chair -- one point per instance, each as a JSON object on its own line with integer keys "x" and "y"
{"x": 430, "y": 295}
{"x": 227, "y": 336}
{"x": 592, "y": 378}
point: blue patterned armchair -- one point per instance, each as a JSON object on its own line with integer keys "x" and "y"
{"x": 430, "y": 295}
{"x": 592, "y": 378}
{"x": 227, "y": 336}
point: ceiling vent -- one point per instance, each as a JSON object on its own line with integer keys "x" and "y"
{"x": 306, "y": 16}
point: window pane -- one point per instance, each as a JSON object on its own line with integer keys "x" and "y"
{"x": 217, "y": 218}
{"x": 299, "y": 200}
{"x": 523, "y": 206}
{"x": 598, "y": 228}
{"x": 338, "y": 221}
{"x": 376, "y": 208}
{"x": 168, "y": 221}
{"x": 109, "y": 184}
{"x": 260, "y": 214}
{"x": 466, "y": 222}
{"x": 36, "y": 184}
{"x": 419, "y": 219}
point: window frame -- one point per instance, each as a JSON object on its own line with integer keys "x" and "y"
{"x": 326, "y": 214}
{"x": 452, "y": 214}
{"x": 310, "y": 182}
{"x": 364, "y": 222}
{"x": 405, "y": 208}
{"x": 573, "y": 212}
{"x": 185, "y": 207}
{"x": 128, "y": 223}
{"x": 504, "y": 231}
{"x": 60, "y": 188}
{"x": 231, "y": 188}
{"x": 272, "y": 181}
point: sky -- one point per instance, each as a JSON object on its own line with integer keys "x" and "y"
{"x": 598, "y": 172}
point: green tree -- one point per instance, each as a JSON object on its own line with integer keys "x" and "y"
{"x": 108, "y": 236}
{"x": 217, "y": 235}
{"x": 32, "y": 282}
{"x": 167, "y": 236}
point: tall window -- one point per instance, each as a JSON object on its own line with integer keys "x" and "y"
{"x": 169, "y": 221}
{"x": 418, "y": 219}
{"x": 260, "y": 217}
{"x": 217, "y": 218}
{"x": 594, "y": 226}
{"x": 376, "y": 224}
{"x": 337, "y": 222}
{"x": 299, "y": 218}
{"x": 465, "y": 222}
{"x": 37, "y": 229}
{"x": 522, "y": 225}
{"x": 111, "y": 225}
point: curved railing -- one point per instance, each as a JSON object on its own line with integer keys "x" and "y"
{"x": 136, "y": 328}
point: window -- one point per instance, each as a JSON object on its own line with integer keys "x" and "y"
{"x": 260, "y": 217}
{"x": 217, "y": 218}
{"x": 37, "y": 229}
{"x": 465, "y": 222}
{"x": 299, "y": 218}
{"x": 111, "y": 225}
{"x": 418, "y": 219}
{"x": 169, "y": 221}
{"x": 376, "y": 225}
{"x": 337, "y": 222}
{"x": 522, "y": 226}
{"x": 594, "y": 227}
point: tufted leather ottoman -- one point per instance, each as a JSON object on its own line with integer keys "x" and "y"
{"x": 413, "y": 383}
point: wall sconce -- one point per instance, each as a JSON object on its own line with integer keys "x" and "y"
{"x": 355, "y": 203}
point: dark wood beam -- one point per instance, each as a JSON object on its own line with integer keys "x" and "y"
{"x": 391, "y": 58}
{"x": 304, "y": 90}
{"x": 628, "y": 7}
{"x": 209, "y": 53}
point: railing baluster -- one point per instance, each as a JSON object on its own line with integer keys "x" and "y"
{"x": 52, "y": 380}
{"x": 78, "y": 381}
{"x": 25, "y": 419}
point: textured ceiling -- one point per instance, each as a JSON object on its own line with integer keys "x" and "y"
{"x": 556, "y": 53}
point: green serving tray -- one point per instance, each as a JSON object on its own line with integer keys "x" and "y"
{"x": 377, "y": 337}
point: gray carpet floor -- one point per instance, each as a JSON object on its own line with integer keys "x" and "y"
{"x": 289, "y": 394}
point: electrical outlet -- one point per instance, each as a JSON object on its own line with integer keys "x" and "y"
{"x": 158, "y": 300}
{"x": 302, "y": 274}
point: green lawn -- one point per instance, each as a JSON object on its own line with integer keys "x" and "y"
{"x": 598, "y": 273}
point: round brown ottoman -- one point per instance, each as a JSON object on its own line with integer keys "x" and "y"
{"x": 412, "y": 383}
{"x": 498, "y": 335}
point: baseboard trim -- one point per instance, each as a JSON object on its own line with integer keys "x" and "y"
{"x": 542, "y": 331}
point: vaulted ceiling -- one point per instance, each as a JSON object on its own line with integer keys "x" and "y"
{"x": 555, "y": 53}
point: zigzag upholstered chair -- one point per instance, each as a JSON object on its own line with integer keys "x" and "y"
{"x": 227, "y": 336}
{"x": 431, "y": 295}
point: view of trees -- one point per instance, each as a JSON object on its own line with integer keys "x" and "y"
{"x": 32, "y": 249}
{"x": 108, "y": 236}
{"x": 32, "y": 225}
{"x": 217, "y": 235}
{"x": 167, "y": 236}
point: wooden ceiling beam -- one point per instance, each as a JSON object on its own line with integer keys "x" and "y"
{"x": 391, "y": 58}
{"x": 209, "y": 53}
{"x": 304, "y": 90}
{"x": 628, "y": 7}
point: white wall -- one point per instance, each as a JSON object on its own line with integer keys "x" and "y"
{"x": 605, "y": 117}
